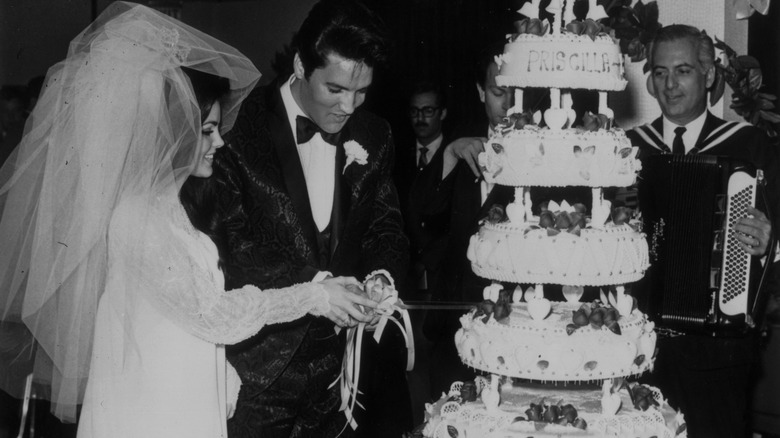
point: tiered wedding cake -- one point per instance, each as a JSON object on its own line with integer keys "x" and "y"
{"x": 557, "y": 368}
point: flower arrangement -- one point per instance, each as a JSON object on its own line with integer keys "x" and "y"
{"x": 633, "y": 26}
{"x": 743, "y": 75}
{"x": 636, "y": 26}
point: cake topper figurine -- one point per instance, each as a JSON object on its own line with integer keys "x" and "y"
{"x": 515, "y": 210}
{"x": 596, "y": 11}
{"x": 530, "y": 9}
{"x": 555, "y": 8}
{"x": 568, "y": 12}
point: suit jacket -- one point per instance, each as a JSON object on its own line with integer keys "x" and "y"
{"x": 270, "y": 234}
{"x": 427, "y": 224}
{"x": 459, "y": 283}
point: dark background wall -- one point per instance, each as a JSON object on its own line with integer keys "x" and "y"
{"x": 433, "y": 38}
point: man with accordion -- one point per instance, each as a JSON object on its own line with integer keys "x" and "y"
{"x": 703, "y": 176}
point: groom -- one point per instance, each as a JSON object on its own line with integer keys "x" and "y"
{"x": 305, "y": 191}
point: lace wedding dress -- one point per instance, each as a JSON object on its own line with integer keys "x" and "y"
{"x": 164, "y": 292}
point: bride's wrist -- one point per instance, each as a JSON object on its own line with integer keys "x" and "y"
{"x": 321, "y": 297}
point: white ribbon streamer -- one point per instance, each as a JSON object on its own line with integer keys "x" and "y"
{"x": 388, "y": 304}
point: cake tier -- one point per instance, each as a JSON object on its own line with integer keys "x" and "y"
{"x": 535, "y": 156}
{"x": 562, "y": 61}
{"x": 472, "y": 419}
{"x": 519, "y": 346}
{"x": 615, "y": 254}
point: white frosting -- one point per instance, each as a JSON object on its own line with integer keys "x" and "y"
{"x": 563, "y": 61}
{"x": 471, "y": 419}
{"x": 523, "y": 347}
{"x": 597, "y": 257}
{"x": 535, "y": 156}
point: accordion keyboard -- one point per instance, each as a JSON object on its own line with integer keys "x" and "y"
{"x": 736, "y": 262}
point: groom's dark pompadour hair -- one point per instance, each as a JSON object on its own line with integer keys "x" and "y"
{"x": 343, "y": 27}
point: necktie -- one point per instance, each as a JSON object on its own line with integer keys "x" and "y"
{"x": 678, "y": 147}
{"x": 423, "y": 157}
{"x": 305, "y": 129}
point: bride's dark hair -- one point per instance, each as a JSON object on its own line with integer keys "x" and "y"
{"x": 197, "y": 195}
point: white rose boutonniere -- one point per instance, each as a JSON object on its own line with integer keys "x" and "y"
{"x": 355, "y": 153}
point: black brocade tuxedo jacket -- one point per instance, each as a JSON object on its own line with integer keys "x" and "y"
{"x": 270, "y": 234}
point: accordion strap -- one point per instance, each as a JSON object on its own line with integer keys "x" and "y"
{"x": 655, "y": 139}
{"x": 720, "y": 134}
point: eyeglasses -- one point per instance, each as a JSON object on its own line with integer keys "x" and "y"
{"x": 427, "y": 111}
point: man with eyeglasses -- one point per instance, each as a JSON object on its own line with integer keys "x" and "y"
{"x": 465, "y": 197}
{"x": 420, "y": 171}
{"x": 427, "y": 112}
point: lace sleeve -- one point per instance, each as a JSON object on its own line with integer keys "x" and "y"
{"x": 161, "y": 266}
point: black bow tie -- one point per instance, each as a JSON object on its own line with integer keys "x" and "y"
{"x": 305, "y": 129}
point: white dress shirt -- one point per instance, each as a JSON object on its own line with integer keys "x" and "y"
{"x": 691, "y": 134}
{"x": 432, "y": 148}
{"x": 318, "y": 160}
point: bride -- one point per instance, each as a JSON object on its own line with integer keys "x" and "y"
{"x": 102, "y": 263}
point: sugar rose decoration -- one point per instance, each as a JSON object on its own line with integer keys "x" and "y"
{"x": 355, "y": 154}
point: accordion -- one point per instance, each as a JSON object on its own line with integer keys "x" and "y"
{"x": 700, "y": 280}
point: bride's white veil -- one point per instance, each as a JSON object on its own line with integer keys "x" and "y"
{"x": 117, "y": 117}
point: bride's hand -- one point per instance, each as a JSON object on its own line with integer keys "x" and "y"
{"x": 346, "y": 297}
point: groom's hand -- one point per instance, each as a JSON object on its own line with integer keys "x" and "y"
{"x": 347, "y": 299}
{"x": 377, "y": 283}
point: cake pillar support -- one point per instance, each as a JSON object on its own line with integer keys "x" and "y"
{"x": 567, "y": 104}
{"x": 518, "y": 106}
{"x": 603, "y": 108}
{"x": 555, "y": 98}
{"x": 600, "y": 208}
{"x": 597, "y": 195}
{"x": 566, "y": 100}
{"x": 527, "y": 203}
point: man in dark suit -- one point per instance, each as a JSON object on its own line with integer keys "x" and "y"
{"x": 306, "y": 192}
{"x": 467, "y": 197}
{"x": 706, "y": 377}
{"x": 418, "y": 171}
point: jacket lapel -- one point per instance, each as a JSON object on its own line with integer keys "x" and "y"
{"x": 658, "y": 124}
{"x": 710, "y": 123}
{"x": 284, "y": 143}
{"x": 658, "y": 142}
{"x": 341, "y": 196}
